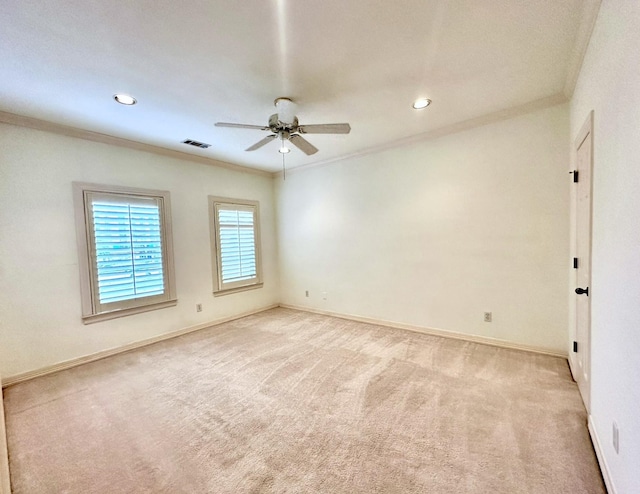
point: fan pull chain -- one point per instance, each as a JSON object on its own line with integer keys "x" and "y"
{"x": 284, "y": 171}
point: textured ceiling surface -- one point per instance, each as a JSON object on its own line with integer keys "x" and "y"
{"x": 193, "y": 63}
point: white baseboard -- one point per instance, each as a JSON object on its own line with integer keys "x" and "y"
{"x": 43, "y": 371}
{"x": 604, "y": 467}
{"x": 572, "y": 366}
{"x": 17, "y": 378}
{"x": 67, "y": 364}
{"x": 5, "y": 482}
{"x": 485, "y": 340}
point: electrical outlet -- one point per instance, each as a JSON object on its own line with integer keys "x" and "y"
{"x": 616, "y": 438}
{"x": 198, "y": 307}
{"x": 487, "y": 317}
{"x": 306, "y": 293}
{"x": 324, "y": 295}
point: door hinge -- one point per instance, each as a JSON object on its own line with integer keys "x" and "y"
{"x": 575, "y": 175}
{"x": 575, "y": 347}
{"x": 575, "y": 263}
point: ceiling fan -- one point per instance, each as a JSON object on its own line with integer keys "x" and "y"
{"x": 284, "y": 125}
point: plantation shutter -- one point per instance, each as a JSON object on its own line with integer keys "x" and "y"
{"x": 236, "y": 244}
{"x": 127, "y": 247}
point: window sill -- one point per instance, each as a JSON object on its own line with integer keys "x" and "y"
{"x": 105, "y": 316}
{"x": 229, "y": 291}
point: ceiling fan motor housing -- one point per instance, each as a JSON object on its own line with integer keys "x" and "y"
{"x": 277, "y": 126}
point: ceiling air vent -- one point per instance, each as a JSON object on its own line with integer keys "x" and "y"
{"x": 196, "y": 144}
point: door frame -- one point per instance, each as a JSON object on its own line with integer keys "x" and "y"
{"x": 585, "y": 130}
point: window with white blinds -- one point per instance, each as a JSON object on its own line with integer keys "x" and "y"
{"x": 128, "y": 248}
{"x": 126, "y": 241}
{"x": 236, "y": 239}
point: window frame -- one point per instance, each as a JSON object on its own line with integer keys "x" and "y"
{"x": 92, "y": 309}
{"x": 220, "y": 288}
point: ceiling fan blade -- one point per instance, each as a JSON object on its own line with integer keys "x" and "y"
{"x": 261, "y": 143}
{"x": 336, "y": 128}
{"x": 303, "y": 145}
{"x": 241, "y": 126}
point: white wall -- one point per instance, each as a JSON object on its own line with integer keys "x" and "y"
{"x": 433, "y": 234}
{"x": 39, "y": 281}
{"x": 609, "y": 84}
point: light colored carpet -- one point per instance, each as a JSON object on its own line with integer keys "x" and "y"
{"x": 287, "y": 401}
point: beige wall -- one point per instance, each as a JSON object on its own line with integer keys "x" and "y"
{"x": 609, "y": 84}
{"x": 39, "y": 280}
{"x": 433, "y": 234}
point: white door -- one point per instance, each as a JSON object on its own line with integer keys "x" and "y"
{"x": 581, "y": 346}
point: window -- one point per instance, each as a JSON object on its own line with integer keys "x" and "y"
{"x": 235, "y": 240}
{"x": 125, "y": 250}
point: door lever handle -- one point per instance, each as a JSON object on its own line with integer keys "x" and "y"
{"x": 583, "y": 291}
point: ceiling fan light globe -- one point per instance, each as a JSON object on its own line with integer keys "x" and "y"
{"x": 284, "y": 150}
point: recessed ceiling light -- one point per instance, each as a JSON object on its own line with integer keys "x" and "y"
{"x": 421, "y": 103}
{"x": 284, "y": 150}
{"x": 124, "y": 99}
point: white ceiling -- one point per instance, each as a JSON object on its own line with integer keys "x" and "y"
{"x": 192, "y": 63}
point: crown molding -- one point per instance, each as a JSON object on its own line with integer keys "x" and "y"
{"x": 583, "y": 36}
{"x": 45, "y": 125}
{"x": 480, "y": 121}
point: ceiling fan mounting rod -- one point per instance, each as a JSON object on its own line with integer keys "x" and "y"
{"x": 283, "y": 99}
{"x": 285, "y": 108}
